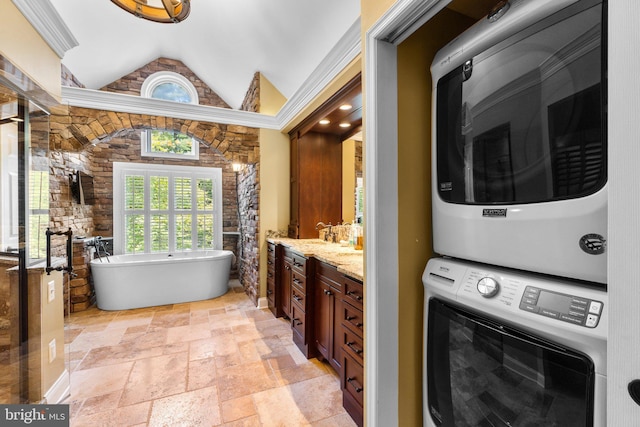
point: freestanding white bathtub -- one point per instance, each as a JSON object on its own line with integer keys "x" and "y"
{"x": 145, "y": 280}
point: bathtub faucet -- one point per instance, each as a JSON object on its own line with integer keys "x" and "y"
{"x": 99, "y": 244}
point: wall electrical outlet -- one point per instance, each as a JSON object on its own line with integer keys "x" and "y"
{"x": 51, "y": 286}
{"x": 52, "y": 350}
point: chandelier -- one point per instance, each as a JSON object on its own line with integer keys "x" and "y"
{"x": 166, "y": 11}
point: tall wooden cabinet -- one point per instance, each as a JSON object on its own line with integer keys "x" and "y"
{"x": 316, "y": 182}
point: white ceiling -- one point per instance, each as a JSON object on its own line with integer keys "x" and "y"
{"x": 224, "y": 42}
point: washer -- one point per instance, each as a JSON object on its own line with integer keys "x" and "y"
{"x": 507, "y": 348}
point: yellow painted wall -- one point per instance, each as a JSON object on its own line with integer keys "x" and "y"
{"x": 414, "y": 198}
{"x": 274, "y": 175}
{"x": 24, "y": 47}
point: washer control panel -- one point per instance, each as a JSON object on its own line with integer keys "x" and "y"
{"x": 568, "y": 308}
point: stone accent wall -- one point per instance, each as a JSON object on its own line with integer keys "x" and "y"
{"x": 132, "y": 83}
{"x": 90, "y": 140}
{"x": 78, "y": 292}
{"x": 251, "y": 100}
{"x": 68, "y": 79}
{"x": 248, "y": 193}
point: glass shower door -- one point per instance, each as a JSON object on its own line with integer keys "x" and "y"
{"x": 24, "y": 218}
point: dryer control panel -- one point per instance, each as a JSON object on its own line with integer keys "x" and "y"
{"x": 568, "y": 308}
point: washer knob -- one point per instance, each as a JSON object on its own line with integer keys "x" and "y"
{"x": 488, "y": 287}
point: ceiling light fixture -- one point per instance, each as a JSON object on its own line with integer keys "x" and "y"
{"x": 346, "y": 107}
{"x": 324, "y": 122}
{"x": 165, "y": 11}
{"x": 345, "y": 125}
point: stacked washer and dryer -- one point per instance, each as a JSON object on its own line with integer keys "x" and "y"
{"x": 516, "y": 304}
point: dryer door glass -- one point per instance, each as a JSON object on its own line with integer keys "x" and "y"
{"x": 482, "y": 373}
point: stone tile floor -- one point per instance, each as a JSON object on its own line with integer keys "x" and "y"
{"x": 220, "y": 362}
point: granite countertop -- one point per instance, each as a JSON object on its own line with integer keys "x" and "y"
{"x": 347, "y": 260}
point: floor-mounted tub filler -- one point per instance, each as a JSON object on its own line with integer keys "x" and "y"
{"x": 145, "y": 280}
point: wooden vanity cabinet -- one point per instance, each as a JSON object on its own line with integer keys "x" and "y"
{"x": 352, "y": 342}
{"x": 274, "y": 270}
{"x": 315, "y": 184}
{"x": 301, "y": 273}
{"x": 327, "y": 313}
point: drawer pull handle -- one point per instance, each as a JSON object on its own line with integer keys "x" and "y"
{"x": 269, "y": 291}
{"x": 351, "y": 317}
{"x": 353, "y": 347}
{"x": 287, "y": 267}
{"x": 296, "y": 264}
{"x": 354, "y": 295}
{"x": 269, "y": 274}
{"x": 356, "y": 386}
{"x": 297, "y": 322}
{"x": 270, "y": 262}
{"x": 296, "y": 281}
{"x": 296, "y": 297}
{"x": 359, "y": 325}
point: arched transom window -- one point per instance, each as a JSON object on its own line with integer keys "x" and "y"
{"x": 169, "y": 86}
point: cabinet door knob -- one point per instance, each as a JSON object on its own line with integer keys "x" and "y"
{"x": 287, "y": 267}
{"x": 327, "y": 292}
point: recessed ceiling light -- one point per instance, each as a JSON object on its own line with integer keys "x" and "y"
{"x": 324, "y": 122}
{"x": 346, "y": 107}
{"x": 345, "y": 125}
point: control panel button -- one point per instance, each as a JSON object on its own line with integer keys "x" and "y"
{"x": 488, "y": 287}
{"x": 595, "y": 307}
{"x": 592, "y": 321}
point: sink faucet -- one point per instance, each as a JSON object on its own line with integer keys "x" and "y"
{"x": 329, "y": 234}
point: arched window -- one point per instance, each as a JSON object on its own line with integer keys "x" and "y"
{"x": 169, "y": 86}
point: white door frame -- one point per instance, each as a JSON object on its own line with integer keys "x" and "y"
{"x": 381, "y": 204}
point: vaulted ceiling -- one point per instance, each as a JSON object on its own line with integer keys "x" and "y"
{"x": 224, "y": 42}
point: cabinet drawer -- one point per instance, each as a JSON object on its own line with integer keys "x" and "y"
{"x": 298, "y": 297}
{"x": 299, "y": 263}
{"x": 298, "y": 322}
{"x": 353, "y": 378}
{"x": 329, "y": 274}
{"x": 353, "y": 344}
{"x": 353, "y": 292}
{"x": 352, "y": 318}
{"x": 271, "y": 289}
{"x": 299, "y": 280}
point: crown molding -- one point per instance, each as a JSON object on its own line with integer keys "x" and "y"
{"x": 102, "y": 100}
{"x": 48, "y": 23}
{"x": 344, "y": 52}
